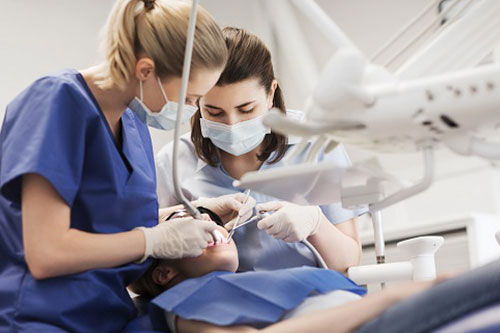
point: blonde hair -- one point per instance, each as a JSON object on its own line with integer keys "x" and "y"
{"x": 157, "y": 29}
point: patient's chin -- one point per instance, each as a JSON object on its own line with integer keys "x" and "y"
{"x": 221, "y": 260}
{"x": 213, "y": 259}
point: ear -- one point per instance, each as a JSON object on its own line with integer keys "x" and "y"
{"x": 144, "y": 68}
{"x": 163, "y": 274}
{"x": 270, "y": 96}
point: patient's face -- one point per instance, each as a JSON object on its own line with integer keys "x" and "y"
{"x": 219, "y": 256}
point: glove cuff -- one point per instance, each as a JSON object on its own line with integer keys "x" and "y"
{"x": 201, "y": 201}
{"x": 148, "y": 246}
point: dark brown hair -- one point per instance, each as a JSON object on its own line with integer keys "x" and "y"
{"x": 145, "y": 285}
{"x": 248, "y": 58}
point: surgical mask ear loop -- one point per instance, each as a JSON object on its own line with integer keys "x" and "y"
{"x": 140, "y": 91}
{"x": 162, "y": 91}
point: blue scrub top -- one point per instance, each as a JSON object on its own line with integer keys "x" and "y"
{"x": 56, "y": 129}
{"x": 256, "y": 249}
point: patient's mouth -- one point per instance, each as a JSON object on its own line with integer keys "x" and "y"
{"x": 219, "y": 239}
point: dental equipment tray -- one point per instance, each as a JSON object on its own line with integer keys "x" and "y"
{"x": 308, "y": 183}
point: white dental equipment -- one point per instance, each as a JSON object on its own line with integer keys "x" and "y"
{"x": 182, "y": 98}
{"x": 440, "y": 96}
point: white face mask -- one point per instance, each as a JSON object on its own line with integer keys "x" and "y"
{"x": 165, "y": 119}
{"x": 237, "y": 139}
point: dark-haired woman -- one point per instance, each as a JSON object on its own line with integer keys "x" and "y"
{"x": 228, "y": 139}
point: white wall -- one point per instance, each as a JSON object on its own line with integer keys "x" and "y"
{"x": 39, "y": 37}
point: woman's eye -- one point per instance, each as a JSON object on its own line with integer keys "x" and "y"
{"x": 211, "y": 114}
{"x": 247, "y": 111}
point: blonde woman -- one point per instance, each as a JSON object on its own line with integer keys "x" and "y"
{"x": 77, "y": 176}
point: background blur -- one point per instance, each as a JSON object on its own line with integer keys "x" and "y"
{"x": 40, "y": 37}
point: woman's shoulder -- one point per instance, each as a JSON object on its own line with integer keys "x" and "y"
{"x": 68, "y": 81}
{"x": 54, "y": 93}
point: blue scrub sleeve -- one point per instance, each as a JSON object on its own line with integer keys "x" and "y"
{"x": 44, "y": 133}
{"x": 335, "y": 212}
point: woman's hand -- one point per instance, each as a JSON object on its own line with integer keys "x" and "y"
{"x": 178, "y": 238}
{"x": 228, "y": 206}
{"x": 290, "y": 222}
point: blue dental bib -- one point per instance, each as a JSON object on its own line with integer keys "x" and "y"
{"x": 253, "y": 298}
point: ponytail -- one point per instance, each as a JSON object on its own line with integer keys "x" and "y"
{"x": 157, "y": 29}
{"x": 119, "y": 43}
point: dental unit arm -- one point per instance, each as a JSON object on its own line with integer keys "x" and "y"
{"x": 182, "y": 98}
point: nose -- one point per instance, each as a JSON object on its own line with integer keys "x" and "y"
{"x": 232, "y": 119}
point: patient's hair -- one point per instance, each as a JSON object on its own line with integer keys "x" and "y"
{"x": 249, "y": 58}
{"x": 146, "y": 286}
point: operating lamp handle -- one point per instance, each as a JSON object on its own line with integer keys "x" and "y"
{"x": 182, "y": 98}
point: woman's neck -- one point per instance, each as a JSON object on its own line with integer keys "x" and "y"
{"x": 237, "y": 166}
{"x": 113, "y": 101}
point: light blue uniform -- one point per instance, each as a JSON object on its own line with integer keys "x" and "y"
{"x": 256, "y": 249}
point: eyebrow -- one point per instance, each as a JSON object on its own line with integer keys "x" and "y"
{"x": 213, "y": 107}
{"x": 236, "y": 107}
{"x": 244, "y": 104}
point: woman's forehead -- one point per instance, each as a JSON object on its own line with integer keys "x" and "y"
{"x": 236, "y": 93}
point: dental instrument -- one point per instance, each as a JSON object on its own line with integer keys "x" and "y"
{"x": 256, "y": 218}
{"x": 239, "y": 217}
